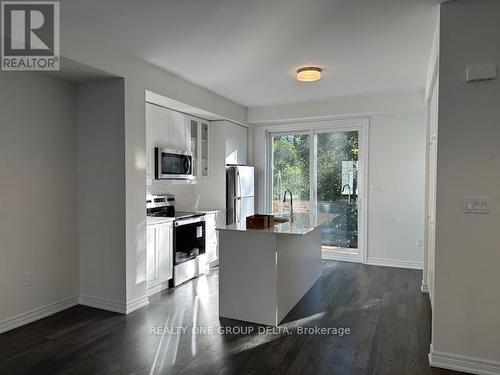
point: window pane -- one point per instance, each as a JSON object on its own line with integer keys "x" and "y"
{"x": 291, "y": 171}
{"x": 337, "y": 190}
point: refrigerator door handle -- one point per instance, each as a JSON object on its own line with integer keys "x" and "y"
{"x": 237, "y": 210}
{"x": 239, "y": 185}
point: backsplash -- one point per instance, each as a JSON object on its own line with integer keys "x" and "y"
{"x": 186, "y": 195}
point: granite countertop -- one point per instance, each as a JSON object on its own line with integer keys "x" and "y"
{"x": 210, "y": 210}
{"x": 204, "y": 210}
{"x": 303, "y": 223}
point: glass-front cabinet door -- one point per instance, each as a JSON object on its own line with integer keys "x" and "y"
{"x": 204, "y": 149}
{"x": 194, "y": 145}
{"x": 200, "y": 147}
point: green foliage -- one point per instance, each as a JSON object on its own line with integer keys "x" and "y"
{"x": 333, "y": 148}
{"x": 291, "y": 166}
{"x": 291, "y": 171}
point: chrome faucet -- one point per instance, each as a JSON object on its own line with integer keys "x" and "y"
{"x": 348, "y": 187}
{"x": 290, "y": 216}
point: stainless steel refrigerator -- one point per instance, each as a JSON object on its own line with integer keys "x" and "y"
{"x": 239, "y": 193}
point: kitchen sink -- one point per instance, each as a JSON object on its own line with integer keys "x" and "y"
{"x": 280, "y": 220}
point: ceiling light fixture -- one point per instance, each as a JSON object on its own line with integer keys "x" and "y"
{"x": 309, "y": 74}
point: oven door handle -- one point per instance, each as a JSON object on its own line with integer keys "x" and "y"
{"x": 182, "y": 222}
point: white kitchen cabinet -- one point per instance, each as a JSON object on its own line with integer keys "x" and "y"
{"x": 210, "y": 237}
{"x": 232, "y": 139}
{"x": 171, "y": 129}
{"x": 158, "y": 125}
{"x": 159, "y": 253}
{"x": 149, "y": 143}
{"x": 160, "y": 121}
{"x": 158, "y": 134}
{"x": 179, "y": 131}
{"x": 199, "y": 141}
{"x": 204, "y": 143}
{"x": 151, "y": 269}
{"x": 212, "y": 220}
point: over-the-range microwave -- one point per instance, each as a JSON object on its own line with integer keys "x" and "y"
{"x": 173, "y": 164}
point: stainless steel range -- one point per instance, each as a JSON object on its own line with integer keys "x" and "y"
{"x": 189, "y": 255}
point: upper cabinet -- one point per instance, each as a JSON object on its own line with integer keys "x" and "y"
{"x": 159, "y": 124}
{"x": 171, "y": 129}
{"x": 194, "y": 125}
{"x": 179, "y": 132}
{"x": 232, "y": 139}
{"x": 199, "y": 140}
{"x": 167, "y": 128}
{"x": 204, "y": 149}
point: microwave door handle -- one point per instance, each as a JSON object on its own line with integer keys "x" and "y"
{"x": 157, "y": 162}
{"x": 187, "y": 164}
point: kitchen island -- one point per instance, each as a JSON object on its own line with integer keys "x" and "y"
{"x": 263, "y": 273}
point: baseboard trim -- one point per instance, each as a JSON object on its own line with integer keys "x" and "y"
{"x": 37, "y": 314}
{"x": 136, "y": 304}
{"x": 157, "y": 289}
{"x": 114, "y": 306}
{"x": 103, "y": 304}
{"x": 424, "y": 288}
{"x": 463, "y": 363}
{"x": 341, "y": 257}
{"x": 394, "y": 263}
{"x": 58, "y": 306}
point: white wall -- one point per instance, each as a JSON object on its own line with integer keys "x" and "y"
{"x": 428, "y": 275}
{"x": 396, "y": 188}
{"x": 139, "y": 77}
{"x": 38, "y": 192}
{"x": 431, "y": 104}
{"x": 396, "y": 169}
{"x": 466, "y": 319}
{"x": 101, "y": 192}
{"x": 346, "y": 106}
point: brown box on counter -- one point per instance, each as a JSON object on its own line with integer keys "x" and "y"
{"x": 259, "y": 221}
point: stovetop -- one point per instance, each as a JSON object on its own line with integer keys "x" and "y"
{"x": 178, "y": 214}
{"x": 184, "y": 214}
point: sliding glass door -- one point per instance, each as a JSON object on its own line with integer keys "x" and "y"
{"x": 323, "y": 169}
{"x": 337, "y": 192}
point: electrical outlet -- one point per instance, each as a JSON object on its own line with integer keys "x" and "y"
{"x": 28, "y": 279}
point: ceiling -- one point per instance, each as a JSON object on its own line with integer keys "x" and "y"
{"x": 248, "y": 50}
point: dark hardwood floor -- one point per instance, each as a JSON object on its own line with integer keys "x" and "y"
{"x": 388, "y": 318}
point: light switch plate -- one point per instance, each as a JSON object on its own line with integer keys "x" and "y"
{"x": 482, "y": 72}
{"x": 477, "y": 205}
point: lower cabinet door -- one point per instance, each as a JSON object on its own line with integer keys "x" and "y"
{"x": 210, "y": 237}
{"x": 151, "y": 255}
{"x": 164, "y": 245}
